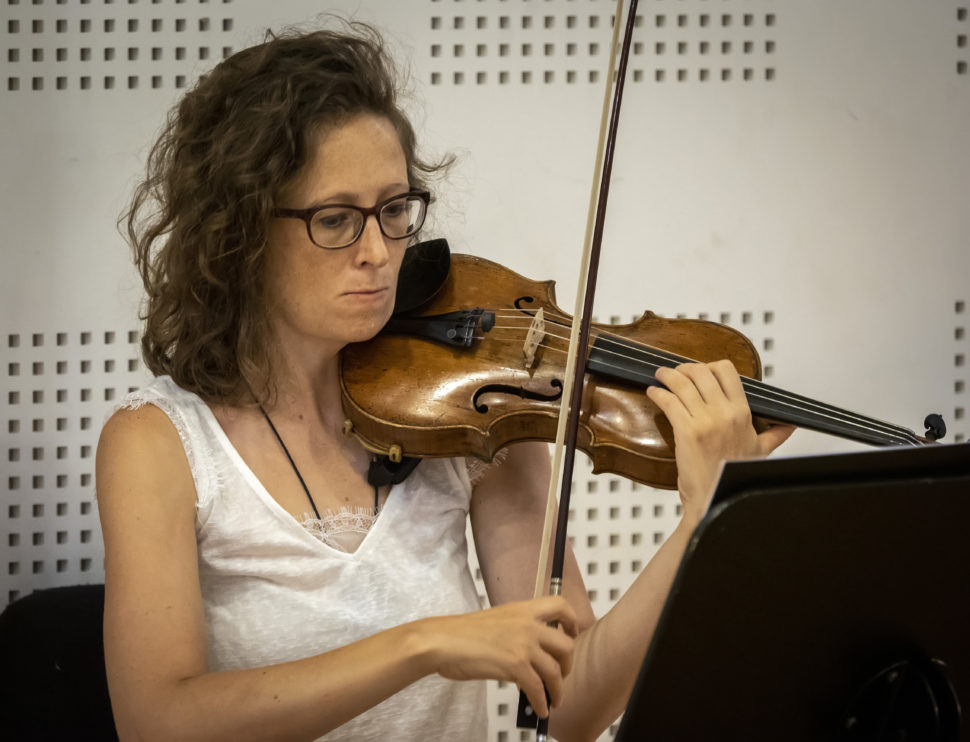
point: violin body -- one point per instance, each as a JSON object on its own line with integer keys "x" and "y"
{"x": 416, "y": 397}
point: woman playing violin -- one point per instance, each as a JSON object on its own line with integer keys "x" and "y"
{"x": 257, "y": 586}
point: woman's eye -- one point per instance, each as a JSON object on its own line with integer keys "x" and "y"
{"x": 394, "y": 209}
{"x": 331, "y": 220}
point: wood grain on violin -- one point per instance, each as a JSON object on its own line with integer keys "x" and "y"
{"x": 462, "y": 385}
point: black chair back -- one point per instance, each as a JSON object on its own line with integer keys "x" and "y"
{"x": 52, "y": 677}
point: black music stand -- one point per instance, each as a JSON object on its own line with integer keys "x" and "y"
{"x": 822, "y": 598}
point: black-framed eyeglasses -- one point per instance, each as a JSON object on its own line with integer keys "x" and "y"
{"x": 340, "y": 225}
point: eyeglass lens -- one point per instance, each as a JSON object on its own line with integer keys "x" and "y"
{"x": 337, "y": 226}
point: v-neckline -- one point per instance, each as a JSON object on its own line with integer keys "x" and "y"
{"x": 282, "y": 513}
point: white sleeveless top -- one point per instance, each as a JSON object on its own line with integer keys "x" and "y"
{"x": 274, "y": 592}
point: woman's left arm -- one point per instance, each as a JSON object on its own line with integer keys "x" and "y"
{"x": 507, "y": 513}
{"x": 708, "y": 411}
{"x": 508, "y": 510}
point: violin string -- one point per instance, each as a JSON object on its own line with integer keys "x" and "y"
{"x": 753, "y": 387}
{"x": 776, "y": 398}
{"x": 792, "y": 402}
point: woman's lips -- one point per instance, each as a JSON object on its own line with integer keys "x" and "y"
{"x": 365, "y": 293}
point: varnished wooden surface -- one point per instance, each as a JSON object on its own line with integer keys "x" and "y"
{"x": 419, "y": 395}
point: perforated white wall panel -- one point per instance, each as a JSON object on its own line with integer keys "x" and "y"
{"x": 798, "y": 170}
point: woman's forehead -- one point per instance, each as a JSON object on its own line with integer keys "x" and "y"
{"x": 356, "y": 157}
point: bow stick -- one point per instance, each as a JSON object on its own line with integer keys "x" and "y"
{"x": 569, "y": 411}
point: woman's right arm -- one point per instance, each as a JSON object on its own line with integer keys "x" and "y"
{"x": 154, "y": 631}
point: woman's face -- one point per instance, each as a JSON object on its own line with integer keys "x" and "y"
{"x": 335, "y": 297}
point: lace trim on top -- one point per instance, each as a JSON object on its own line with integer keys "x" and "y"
{"x": 477, "y": 469}
{"x": 346, "y": 529}
{"x": 343, "y": 530}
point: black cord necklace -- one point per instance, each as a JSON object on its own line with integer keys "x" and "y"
{"x": 298, "y": 475}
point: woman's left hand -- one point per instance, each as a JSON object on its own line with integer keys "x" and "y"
{"x": 707, "y": 407}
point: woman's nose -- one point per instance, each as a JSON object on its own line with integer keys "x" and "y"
{"x": 371, "y": 245}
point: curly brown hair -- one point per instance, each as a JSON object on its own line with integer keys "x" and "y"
{"x": 197, "y": 223}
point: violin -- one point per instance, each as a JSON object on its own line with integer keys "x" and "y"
{"x": 480, "y": 365}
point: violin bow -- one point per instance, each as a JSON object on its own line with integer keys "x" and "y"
{"x": 569, "y": 410}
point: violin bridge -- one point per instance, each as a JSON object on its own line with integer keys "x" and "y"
{"x": 536, "y": 334}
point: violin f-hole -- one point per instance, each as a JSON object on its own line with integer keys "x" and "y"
{"x": 516, "y": 391}
{"x": 524, "y": 300}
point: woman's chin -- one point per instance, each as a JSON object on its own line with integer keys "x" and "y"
{"x": 364, "y": 330}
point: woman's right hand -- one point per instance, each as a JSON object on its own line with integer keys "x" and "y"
{"x": 512, "y": 642}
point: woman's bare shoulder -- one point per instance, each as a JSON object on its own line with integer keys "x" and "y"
{"x": 140, "y": 445}
{"x": 131, "y": 429}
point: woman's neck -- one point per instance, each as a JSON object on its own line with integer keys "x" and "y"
{"x": 306, "y": 383}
